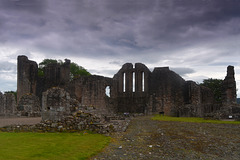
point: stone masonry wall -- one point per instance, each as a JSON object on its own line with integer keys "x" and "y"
{"x": 167, "y": 90}
{"x": 132, "y": 89}
{"x": 57, "y": 103}
{"x": 7, "y": 104}
{"x": 229, "y": 87}
{"x": 29, "y": 105}
{"x": 91, "y": 91}
{"x": 27, "y": 75}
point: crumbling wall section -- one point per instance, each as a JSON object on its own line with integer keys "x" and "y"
{"x": 91, "y": 91}
{"x": 56, "y": 75}
{"x": 229, "y": 96}
{"x": 229, "y": 87}
{"x": 167, "y": 90}
{"x": 57, "y": 104}
{"x": 29, "y": 105}
{"x": 7, "y": 104}
{"x": 27, "y": 75}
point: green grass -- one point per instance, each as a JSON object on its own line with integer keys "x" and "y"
{"x": 192, "y": 119}
{"x": 45, "y": 146}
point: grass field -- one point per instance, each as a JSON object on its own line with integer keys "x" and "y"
{"x": 50, "y": 146}
{"x": 192, "y": 119}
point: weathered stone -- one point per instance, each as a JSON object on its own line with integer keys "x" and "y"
{"x": 133, "y": 89}
{"x": 229, "y": 87}
{"x": 29, "y": 105}
{"x": 56, "y": 104}
{"x": 27, "y": 77}
{"x": 7, "y": 104}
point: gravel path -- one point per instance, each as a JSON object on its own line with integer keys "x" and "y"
{"x": 154, "y": 140}
{"x": 20, "y": 121}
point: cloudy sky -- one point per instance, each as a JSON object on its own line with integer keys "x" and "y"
{"x": 198, "y": 39}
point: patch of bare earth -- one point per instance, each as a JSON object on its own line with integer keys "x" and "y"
{"x": 148, "y": 139}
{"x": 19, "y": 121}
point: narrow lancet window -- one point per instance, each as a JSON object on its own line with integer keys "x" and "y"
{"x": 124, "y": 82}
{"x": 133, "y": 82}
{"x": 143, "y": 85}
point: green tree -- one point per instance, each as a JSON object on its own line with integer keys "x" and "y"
{"x": 75, "y": 69}
{"x": 216, "y": 86}
{"x": 44, "y": 63}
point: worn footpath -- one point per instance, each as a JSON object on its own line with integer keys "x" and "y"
{"x": 153, "y": 140}
{"x": 19, "y": 121}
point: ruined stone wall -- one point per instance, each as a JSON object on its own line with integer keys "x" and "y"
{"x": 229, "y": 87}
{"x": 133, "y": 89}
{"x": 132, "y": 92}
{"x": 91, "y": 91}
{"x": 7, "y": 104}
{"x": 167, "y": 91}
{"x": 29, "y": 105}
{"x": 2, "y": 103}
{"x": 28, "y": 81}
{"x": 27, "y": 75}
{"x": 199, "y": 100}
{"x": 56, "y": 74}
{"x": 57, "y": 104}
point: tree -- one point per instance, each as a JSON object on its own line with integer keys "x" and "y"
{"x": 75, "y": 69}
{"x": 44, "y": 63}
{"x": 216, "y": 86}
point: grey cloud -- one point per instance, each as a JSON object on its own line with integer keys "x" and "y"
{"x": 118, "y": 63}
{"x": 104, "y": 72}
{"x": 33, "y": 6}
{"x": 8, "y": 67}
{"x": 114, "y": 27}
{"x": 127, "y": 30}
{"x": 224, "y": 63}
{"x": 183, "y": 71}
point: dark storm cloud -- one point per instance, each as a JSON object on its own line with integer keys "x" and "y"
{"x": 112, "y": 28}
{"x": 33, "y": 6}
{"x": 183, "y": 34}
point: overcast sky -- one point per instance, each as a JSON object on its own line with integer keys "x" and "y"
{"x": 198, "y": 39}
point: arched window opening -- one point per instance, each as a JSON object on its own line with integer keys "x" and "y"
{"x": 108, "y": 91}
{"x": 133, "y": 81}
{"x": 124, "y": 82}
{"x": 143, "y": 83}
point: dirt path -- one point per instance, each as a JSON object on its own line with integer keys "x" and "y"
{"x": 154, "y": 140}
{"x": 20, "y": 121}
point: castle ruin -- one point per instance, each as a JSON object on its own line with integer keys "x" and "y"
{"x": 133, "y": 89}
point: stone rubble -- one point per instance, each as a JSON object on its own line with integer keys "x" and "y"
{"x": 78, "y": 121}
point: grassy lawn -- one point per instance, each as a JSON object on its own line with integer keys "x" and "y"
{"x": 192, "y": 119}
{"x": 54, "y": 146}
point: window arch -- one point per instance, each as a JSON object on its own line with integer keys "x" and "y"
{"x": 108, "y": 91}
{"x": 143, "y": 82}
{"x": 133, "y": 81}
{"x": 124, "y": 82}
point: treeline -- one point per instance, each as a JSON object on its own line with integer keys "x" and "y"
{"x": 75, "y": 69}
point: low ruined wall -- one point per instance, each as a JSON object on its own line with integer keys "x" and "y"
{"x": 7, "y": 104}
{"x": 76, "y": 122}
{"x": 91, "y": 91}
{"x": 29, "y": 105}
{"x": 57, "y": 103}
